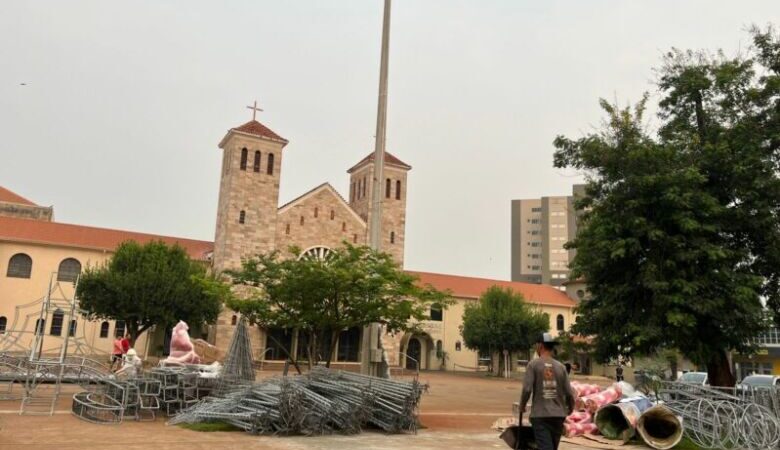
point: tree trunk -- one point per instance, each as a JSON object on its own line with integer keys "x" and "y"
{"x": 719, "y": 370}
{"x": 334, "y": 337}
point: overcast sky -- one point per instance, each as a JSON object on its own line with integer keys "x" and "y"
{"x": 125, "y": 102}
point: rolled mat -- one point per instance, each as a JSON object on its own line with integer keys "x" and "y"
{"x": 660, "y": 428}
{"x": 593, "y": 402}
{"x": 578, "y": 429}
{"x": 583, "y": 389}
{"x": 619, "y": 420}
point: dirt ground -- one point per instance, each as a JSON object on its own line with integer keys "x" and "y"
{"x": 457, "y": 413}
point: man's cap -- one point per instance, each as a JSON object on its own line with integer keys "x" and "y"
{"x": 546, "y": 338}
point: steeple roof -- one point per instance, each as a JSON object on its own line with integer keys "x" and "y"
{"x": 12, "y": 197}
{"x": 256, "y": 128}
{"x": 390, "y": 160}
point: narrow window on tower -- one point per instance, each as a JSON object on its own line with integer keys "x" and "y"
{"x": 242, "y": 216}
{"x": 352, "y": 192}
{"x": 256, "y": 167}
{"x": 287, "y": 229}
{"x": 398, "y": 189}
{"x": 354, "y": 238}
{"x": 332, "y": 214}
{"x": 301, "y": 220}
{"x": 388, "y": 186}
{"x": 269, "y": 169}
{"x": 316, "y": 211}
{"x": 244, "y": 154}
{"x": 392, "y": 237}
{"x": 364, "y": 186}
{"x": 343, "y": 226}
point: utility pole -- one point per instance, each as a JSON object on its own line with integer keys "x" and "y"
{"x": 376, "y": 363}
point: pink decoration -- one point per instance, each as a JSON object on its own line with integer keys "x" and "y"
{"x": 578, "y": 429}
{"x": 583, "y": 389}
{"x": 182, "y": 350}
{"x": 593, "y": 402}
{"x": 579, "y": 417}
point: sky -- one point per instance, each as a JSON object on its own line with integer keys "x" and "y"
{"x": 124, "y": 103}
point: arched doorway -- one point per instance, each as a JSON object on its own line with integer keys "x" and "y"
{"x": 413, "y": 353}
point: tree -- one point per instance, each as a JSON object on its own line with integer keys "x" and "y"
{"x": 502, "y": 320}
{"x": 679, "y": 238}
{"x": 148, "y": 285}
{"x": 353, "y": 287}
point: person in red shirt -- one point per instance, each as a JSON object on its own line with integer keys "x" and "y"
{"x": 117, "y": 352}
{"x": 125, "y": 344}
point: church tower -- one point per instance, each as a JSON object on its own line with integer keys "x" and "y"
{"x": 393, "y": 200}
{"x": 248, "y": 194}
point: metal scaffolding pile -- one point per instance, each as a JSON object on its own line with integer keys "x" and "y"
{"x": 321, "y": 402}
{"x": 723, "y": 419}
{"x": 238, "y": 369}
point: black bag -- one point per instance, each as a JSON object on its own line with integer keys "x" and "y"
{"x": 519, "y": 438}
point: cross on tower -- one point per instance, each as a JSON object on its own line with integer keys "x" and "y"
{"x": 254, "y": 109}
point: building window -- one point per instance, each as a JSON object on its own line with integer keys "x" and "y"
{"x": 19, "y": 266}
{"x": 352, "y": 192}
{"x": 56, "y": 323}
{"x": 559, "y": 322}
{"x": 270, "y": 166}
{"x": 436, "y": 312}
{"x": 234, "y": 319}
{"x": 301, "y": 220}
{"x": 69, "y": 270}
{"x": 364, "y": 187}
{"x": 354, "y": 238}
{"x": 349, "y": 345}
{"x": 119, "y": 329}
{"x": 256, "y": 166}
{"x": 40, "y": 325}
{"x": 241, "y": 216}
{"x": 104, "y": 329}
{"x": 457, "y": 346}
{"x": 72, "y": 328}
{"x": 439, "y": 348}
{"x": 580, "y": 294}
{"x": 3, "y": 324}
{"x": 536, "y": 209}
{"x": 343, "y": 226}
{"x": 388, "y": 187}
{"x": 244, "y": 155}
{"x": 398, "y": 190}
{"x": 316, "y": 211}
{"x": 278, "y": 344}
{"x": 332, "y": 214}
{"x": 392, "y": 237}
{"x": 287, "y": 229}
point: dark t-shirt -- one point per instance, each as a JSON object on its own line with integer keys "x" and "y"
{"x": 547, "y": 385}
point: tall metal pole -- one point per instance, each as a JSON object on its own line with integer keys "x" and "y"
{"x": 372, "y": 335}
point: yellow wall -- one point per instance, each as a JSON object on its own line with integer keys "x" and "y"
{"x": 15, "y": 292}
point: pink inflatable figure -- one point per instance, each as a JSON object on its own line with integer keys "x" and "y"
{"x": 182, "y": 351}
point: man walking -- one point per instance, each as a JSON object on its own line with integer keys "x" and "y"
{"x": 547, "y": 384}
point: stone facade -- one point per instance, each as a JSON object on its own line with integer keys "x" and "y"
{"x": 35, "y": 212}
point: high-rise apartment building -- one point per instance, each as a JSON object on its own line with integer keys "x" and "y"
{"x": 540, "y": 229}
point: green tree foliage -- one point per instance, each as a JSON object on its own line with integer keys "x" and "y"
{"x": 679, "y": 237}
{"x": 148, "y": 285}
{"x": 502, "y": 320}
{"x": 354, "y": 287}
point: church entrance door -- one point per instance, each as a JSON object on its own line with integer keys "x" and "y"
{"x": 413, "y": 352}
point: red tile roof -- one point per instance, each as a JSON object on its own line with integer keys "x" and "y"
{"x": 256, "y": 128}
{"x": 36, "y": 231}
{"x": 390, "y": 159}
{"x": 12, "y": 197}
{"x": 471, "y": 287}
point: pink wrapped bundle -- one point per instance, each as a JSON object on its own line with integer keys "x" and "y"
{"x": 593, "y": 402}
{"x": 578, "y": 429}
{"x": 579, "y": 417}
{"x": 583, "y": 389}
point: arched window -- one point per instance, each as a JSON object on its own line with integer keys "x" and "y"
{"x": 72, "y": 328}
{"x": 56, "y": 323}
{"x": 244, "y": 155}
{"x": 241, "y": 216}
{"x": 69, "y": 270}
{"x": 104, "y": 329}
{"x": 234, "y": 319}
{"x": 439, "y": 348}
{"x": 316, "y": 211}
{"x": 559, "y": 322}
{"x": 332, "y": 214}
{"x": 392, "y": 237}
{"x": 457, "y": 346}
{"x": 287, "y": 229}
{"x": 436, "y": 312}
{"x": 343, "y": 226}
{"x": 398, "y": 189}
{"x": 302, "y": 220}
{"x": 388, "y": 187}
{"x": 40, "y": 325}
{"x": 19, "y": 266}
{"x": 256, "y": 166}
{"x": 119, "y": 328}
{"x": 269, "y": 169}
{"x": 3, "y": 324}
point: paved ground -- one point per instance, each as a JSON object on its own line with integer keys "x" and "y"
{"x": 457, "y": 414}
